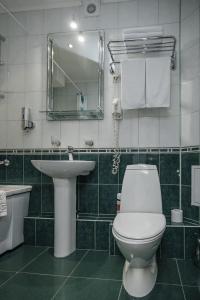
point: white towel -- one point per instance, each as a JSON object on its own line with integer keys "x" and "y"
{"x": 139, "y": 32}
{"x": 133, "y": 83}
{"x": 158, "y": 81}
{"x": 3, "y": 204}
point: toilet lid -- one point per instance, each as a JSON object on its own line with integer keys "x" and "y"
{"x": 139, "y": 225}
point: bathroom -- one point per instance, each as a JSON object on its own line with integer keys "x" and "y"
{"x": 68, "y": 246}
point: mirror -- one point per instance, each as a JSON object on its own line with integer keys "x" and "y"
{"x": 75, "y": 75}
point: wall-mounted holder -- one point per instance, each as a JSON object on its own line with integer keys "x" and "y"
{"x": 89, "y": 143}
{"x": 27, "y": 124}
{"x": 123, "y": 49}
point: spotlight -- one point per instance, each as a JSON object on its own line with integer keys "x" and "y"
{"x": 70, "y": 46}
{"x": 73, "y": 25}
{"x": 81, "y": 38}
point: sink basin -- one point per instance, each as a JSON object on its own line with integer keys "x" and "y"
{"x": 64, "y": 174}
{"x": 64, "y": 168}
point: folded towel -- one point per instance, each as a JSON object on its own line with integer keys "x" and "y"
{"x": 3, "y": 204}
{"x": 133, "y": 83}
{"x": 158, "y": 81}
{"x": 139, "y": 32}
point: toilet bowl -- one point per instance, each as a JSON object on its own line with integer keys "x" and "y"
{"x": 139, "y": 227}
{"x": 12, "y": 225}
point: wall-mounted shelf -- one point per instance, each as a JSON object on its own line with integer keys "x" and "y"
{"x": 123, "y": 49}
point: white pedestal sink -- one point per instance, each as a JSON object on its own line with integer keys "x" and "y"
{"x": 64, "y": 174}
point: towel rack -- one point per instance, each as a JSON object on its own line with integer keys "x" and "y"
{"x": 120, "y": 49}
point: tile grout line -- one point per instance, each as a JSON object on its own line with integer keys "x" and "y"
{"x": 65, "y": 281}
{"x": 180, "y": 280}
{"x": 96, "y": 278}
{"x": 32, "y": 260}
{"x": 95, "y": 231}
{"x": 17, "y": 272}
{"x": 184, "y": 248}
{"x": 44, "y": 274}
{"x": 8, "y": 279}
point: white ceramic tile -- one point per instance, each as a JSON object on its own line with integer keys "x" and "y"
{"x": 15, "y": 102}
{"x": 127, "y": 14}
{"x": 190, "y": 95}
{"x": 4, "y": 50}
{"x": 52, "y": 20}
{"x": 4, "y": 24}
{"x": 14, "y": 134}
{"x": 186, "y": 96}
{"x": 190, "y": 63}
{"x": 174, "y": 108}
{"x": 34, "y": 78}
{"x": 3, "y": 108}
{"x": 50, "y": 128}
{"x": 149, "y": 132}
{"x": 16, "y": 50}
{"x": 35, "y": 101}
{"x": 108, "y": 17}
{"x": 17, "y": 29}
{"x": 44, "y": 76}
{"x": 35, "y": 22}
{"x": 3, "y": 78}
{"x": 149, "y": 112}
{"x": 147, "y": 12}
{"x": 168, "y": 11}
{"x": 34, "y": 49}
{"x": 3, "y": 134}
{"x": 188, "y": 7}
{"x": 196, "y": 94}
{"x": 106, "y": 133}
{"x": 170, "y": 131}
{"x": 70, "y": 133}
{"x": 33, "y": 137}
{"x": 86, "y": 23}
{"x": 128, "y": 129}
{"x": 16, "y": 78}
{"x": 89, "y": 130}
{"x": 190, "y": 30}
{"x": 190, "y": 129}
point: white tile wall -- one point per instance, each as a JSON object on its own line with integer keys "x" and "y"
{"x": 190, "y": 75}
{"x": 24, "y": 78}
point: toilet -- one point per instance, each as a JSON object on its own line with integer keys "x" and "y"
{"x": 12, "y": 225}
{"x": 138, "y": 227}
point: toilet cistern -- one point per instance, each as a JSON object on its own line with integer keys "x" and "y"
{"x": 70, "y": 151}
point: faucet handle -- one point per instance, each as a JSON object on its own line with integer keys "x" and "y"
{"x": 70, "y": 149}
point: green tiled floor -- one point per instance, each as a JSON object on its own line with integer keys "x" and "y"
{"x": 33, "y": 273}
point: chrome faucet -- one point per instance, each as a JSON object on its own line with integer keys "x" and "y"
{"x": 70, "y": 151}
{"x": 5, "y": 162}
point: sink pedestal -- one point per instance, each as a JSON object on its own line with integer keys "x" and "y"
{"x": 64, "y": 174}
{"x": 65, "y": 216}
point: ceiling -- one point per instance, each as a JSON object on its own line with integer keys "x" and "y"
{"x": 22, "y": 5}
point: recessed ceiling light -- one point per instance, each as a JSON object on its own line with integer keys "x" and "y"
{"x": 81, "y": 38}
{"x": 70, "y": 46}
{"x": 73, "y": 25}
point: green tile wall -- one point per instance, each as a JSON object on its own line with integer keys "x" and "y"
{"x": 188, "y": 159}
{"x": 96, "y": 193}
{"x": 96, "y": 196}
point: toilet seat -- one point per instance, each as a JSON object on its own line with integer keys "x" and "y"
{"x": 139, "y": 227}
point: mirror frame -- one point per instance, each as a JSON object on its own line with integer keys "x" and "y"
{"x": 97, "y": 114}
